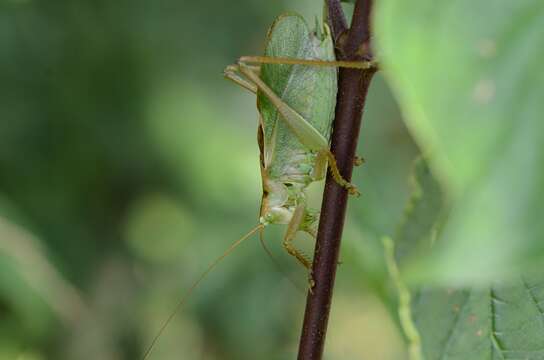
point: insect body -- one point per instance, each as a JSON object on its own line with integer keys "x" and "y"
{"x": 296, "y": 105}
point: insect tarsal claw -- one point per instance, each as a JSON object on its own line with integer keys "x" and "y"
{"x": 311, "y": 283}
{"x": 358, "y": 161}
{"x": 352, "y": 190}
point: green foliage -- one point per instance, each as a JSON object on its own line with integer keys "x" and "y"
{"x": 131, "y": 164}
{"x": 419, "y": 227}
{"x": 472, "y": 94}
{"x": 127, "y": 164}
{"x": 498, "y": 321}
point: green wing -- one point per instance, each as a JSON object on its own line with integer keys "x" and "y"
{"x": 309, "y": 90}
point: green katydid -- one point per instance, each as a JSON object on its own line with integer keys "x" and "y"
{"x": 296, "y": 103}
{"x": 296, "y": 86}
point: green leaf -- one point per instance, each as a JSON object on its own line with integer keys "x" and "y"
{"x": 469, "y": 79}
{"x": 418, "y": 229}
{"x": 501, "y": 321}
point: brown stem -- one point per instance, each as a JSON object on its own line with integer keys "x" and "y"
{"x": 336, "y": 19}
{"x": 352, "y": 89}
{"x": 358, "y": 41}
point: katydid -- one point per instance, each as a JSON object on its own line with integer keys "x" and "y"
{"x": 296, "y": 103}
{"x": 296, "y": 86}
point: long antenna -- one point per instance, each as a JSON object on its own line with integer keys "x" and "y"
{"x": 277, "y": 264}
{"x": 195, "y": 284}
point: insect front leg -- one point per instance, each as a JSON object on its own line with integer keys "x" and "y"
{"x": 362, "y": 65}
{"x": 292, "y": 228}
{"x": 232, "y": 72}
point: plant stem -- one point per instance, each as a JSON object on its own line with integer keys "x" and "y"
{"x": 352, "y": 89}
{"x": 336, "y": 19}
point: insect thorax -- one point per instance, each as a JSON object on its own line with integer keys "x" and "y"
{"x": 279, "y": 208}
{"x": 285, "y": 189}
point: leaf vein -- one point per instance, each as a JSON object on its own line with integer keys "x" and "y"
{"x": 451, "y": 331}
{"x": 534, "y": 299}
{"x": 495, "y": 343}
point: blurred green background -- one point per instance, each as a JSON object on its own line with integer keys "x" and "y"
{"x": 127, "y": 164}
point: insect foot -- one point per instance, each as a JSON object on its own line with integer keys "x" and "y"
{"x": 352, "y": 189}
{"x": 358, "y": 161}
{"x": 333, "y": 167}
{"x": 311, "y": 282}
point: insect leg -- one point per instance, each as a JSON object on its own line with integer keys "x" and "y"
{"x": 358, "y": 161}
{"x": 292, "y": 228}
{"x": 363, "y": 65}
{"x": 232, "y": 72}
{"x": 312, "y": 232}
{"x": 324, "y": 156}
{"x": 302, "y": 129}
